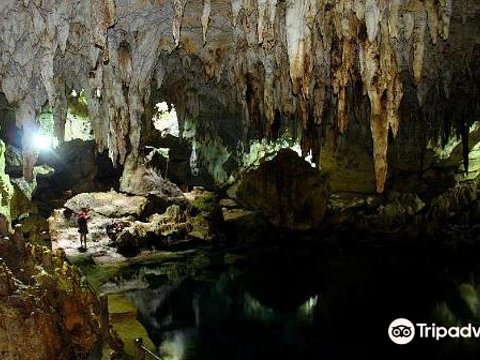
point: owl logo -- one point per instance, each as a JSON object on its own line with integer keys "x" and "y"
{"x": 401, "y": 331}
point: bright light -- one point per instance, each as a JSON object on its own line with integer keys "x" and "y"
{"x": 42, "y": 141}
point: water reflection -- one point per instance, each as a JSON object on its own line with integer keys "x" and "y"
{"x": 216, "y": 316}
{"x": 306, "y": 308}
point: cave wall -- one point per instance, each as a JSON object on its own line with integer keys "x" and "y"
{"x": 302, "y": 66}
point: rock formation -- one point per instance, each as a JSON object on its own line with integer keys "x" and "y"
{"x": 287, "y": 190}
{"x": 272, "y": 66}
{"x": 46, "y": 310}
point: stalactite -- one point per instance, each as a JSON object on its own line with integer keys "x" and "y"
{"x": 178, "y": 8}
{"x": 262, "y": 9}
{"x": 372, "y": 18}
{"x": 408, "y": 25}
{"x": 290, "y": 60}
{"x": 205, "y": 18}
{"x": 298, "y": 39}
{"x": 236, "y": 7}
{"x": 419, "y": 45}
{"x": 25, "y": 114}
{"x": 60, "y": 108}
{"x": 103, "y": 17}
{"x": 393, "y": 18}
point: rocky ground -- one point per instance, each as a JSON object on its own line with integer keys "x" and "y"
{"x": 103, "y": 207}
{"x": 188, "y": 218}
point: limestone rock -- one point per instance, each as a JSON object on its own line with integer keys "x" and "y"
{"x": 206, "y": 216}
{"x": 272, "y": 64}
{"x": 13, "y": 161}
{"x": 349, "y": 165}
{"x": 138, "y": 179}
{"x": 244, "y": 227}
{"x": 287, "y": 190}
{"x": 160, "y": 228}
{"x": 110, "y": 204}
{"x": 399, "y": 208}
{"x": 35, "y": 229}
{"x": 227, "y": 203}
{"x": 454, "y": 201}
{"x": 46, "y": 311}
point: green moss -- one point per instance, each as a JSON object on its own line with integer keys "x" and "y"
{"x": 123, "y": 318}
{"x": 200, "y": 227}
{"x": 442, "y": 314}
{"x": 6, "y": 188}
{"x": 470, "y": 297}
{"x": 119, "y": 304}
{"x": 82, "y": 260}
{"x": 77, "y": 106}
{"x": 99, "y": 275}
{"x": 154, "y": 258}
{"x": 206, "y": 203}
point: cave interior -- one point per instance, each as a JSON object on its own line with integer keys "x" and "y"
{"x": 255, "y": 176}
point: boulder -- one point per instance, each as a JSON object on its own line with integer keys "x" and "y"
{"x": 287, "y": 190}
{"x": 227, "y": 203}
{"x": 138, "y": 179}
{"x": 205, "y": 215}
{"x": 173, "y": 224}
{"x": 110, "y": 204}
{"x": 243, "y": 226}
{"x": 158, "y": 204}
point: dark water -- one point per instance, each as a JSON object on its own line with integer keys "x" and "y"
{"x": 311, "y": 305}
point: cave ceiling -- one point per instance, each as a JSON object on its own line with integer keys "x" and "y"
{"x": 301, "y": 64}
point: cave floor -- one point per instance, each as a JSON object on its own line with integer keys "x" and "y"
{"x": 99, "y": 245}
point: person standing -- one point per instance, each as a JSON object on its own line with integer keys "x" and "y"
{"x": 82, "y": 218}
